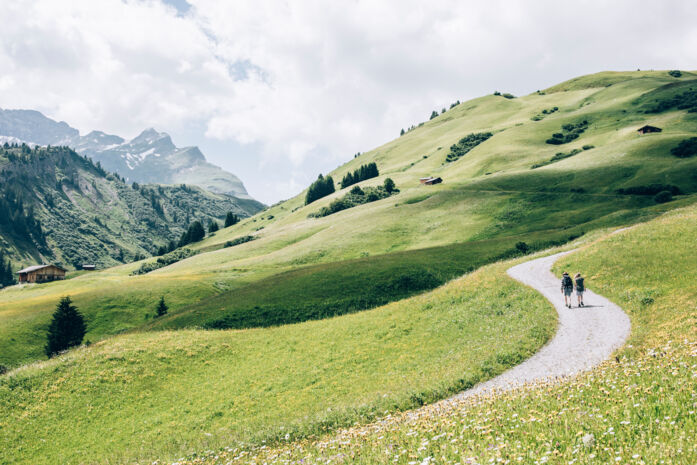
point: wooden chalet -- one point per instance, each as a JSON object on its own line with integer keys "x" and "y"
{"x": 41, "y": 274}
{"x": 89, "y": 267}
{"x": 430, "y": 180}
{"x": 647, "y": 129}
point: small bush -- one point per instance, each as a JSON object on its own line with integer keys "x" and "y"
{"x": 165, "y": 260}
{"x": 389, "y": 185}
{"x": 663, "y": 197}
{"x": 569, "y": 132}
{"x": 685, "y": 149}
{"x": 651, "y": 189}
{"x": 507, "y": 95}
{"x": 356, "y": 190}
{"x": 353, "y": 199}
{"x": 239, "y": 240}
{"x": 588, "y": 147}
{"x": 3, "y": 370}
{"x": 522, "y": 247}
{"x": 675, "y": 73}
{"x": 466, "y": 144}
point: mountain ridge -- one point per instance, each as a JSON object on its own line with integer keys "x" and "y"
{"x": 150, "y": 157}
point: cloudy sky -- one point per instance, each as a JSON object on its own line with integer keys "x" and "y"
{"x": 279, "y": 91}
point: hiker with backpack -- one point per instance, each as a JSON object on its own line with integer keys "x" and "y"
{"x": 567, "y": 287}
{"x": 580, "y": 287}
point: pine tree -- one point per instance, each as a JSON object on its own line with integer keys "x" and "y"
{"x": 213, "y": 227}
{"x": 231, "y": 219}
{"x": 401, "y": 132}
{"x": 66, "y": 330}
{"x": 434, "y": 114}
{"x": 196, "y": 232}
{"x": 161, "y": 307}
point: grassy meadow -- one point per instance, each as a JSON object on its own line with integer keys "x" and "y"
{"x": 637, "y": 408}
{"x": 143, "y": 396}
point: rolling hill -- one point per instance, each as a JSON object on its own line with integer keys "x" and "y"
{"x": 559, "y": 165}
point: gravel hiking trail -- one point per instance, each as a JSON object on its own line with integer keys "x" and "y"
{"x": 585, "y": 336}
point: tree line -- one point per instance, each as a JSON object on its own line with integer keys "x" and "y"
{"x": 360, "y": 174}
{"x": 7, "y": 278}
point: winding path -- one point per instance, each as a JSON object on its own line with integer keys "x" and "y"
{"x": 585, "y": 336}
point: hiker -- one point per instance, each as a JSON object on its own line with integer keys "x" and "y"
{"x": 579, "y": 288}
{"x": 567, "y": 287}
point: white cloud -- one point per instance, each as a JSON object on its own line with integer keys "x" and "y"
{"x": 299, "y": 86}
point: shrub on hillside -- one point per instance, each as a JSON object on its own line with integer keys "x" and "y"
{"x": 507, "y": 95}
{"x": 355, "y": 197}
{"x": 389, "y": 185}
{"x": 165, "y": 260}
{"x": 685, "y": 149}
{"x": 675, "y": 73}
{"x": 239, "y": 240}
{"x": 322, "y": 187}
{"x": 651, "y": 189}
{"x": 663, "y": 197}
{"x": 466, "y": 144}
{"x": 66, "y": 330}
{"x": 684, "y": 101}
{"x": 557, "y": 157}
{"x": 569, "y": 132}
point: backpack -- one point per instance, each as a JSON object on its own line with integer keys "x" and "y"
{"x": 579, "y": 284}
{"x": 566, "y": 282}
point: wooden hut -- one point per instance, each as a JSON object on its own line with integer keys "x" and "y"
{"x": 647, "y": 129}
{"x": 41, "y": 274}
{"x": 430, "y": 180}
{"x": 89, "y": 267}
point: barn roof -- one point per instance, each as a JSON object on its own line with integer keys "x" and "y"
{"x": 29, "y": 269}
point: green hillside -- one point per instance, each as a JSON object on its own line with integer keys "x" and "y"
{"x": 502, "y": 196}
{"x": 60, "y": 207}
{"x": 636, "y": 408}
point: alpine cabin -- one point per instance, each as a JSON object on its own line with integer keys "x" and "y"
{"x": 430, "y": 180}
{"x": 647, "y": 129}
{"x": 41, "y": 274}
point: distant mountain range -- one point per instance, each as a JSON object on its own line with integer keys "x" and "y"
{"x": 151, "y": 157}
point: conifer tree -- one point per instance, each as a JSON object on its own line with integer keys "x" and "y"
{"x": 161, "y": 307}
{"x": 213, "y": 227}
{"x": 231, "y": 219}
{"x": 66, "y": 330}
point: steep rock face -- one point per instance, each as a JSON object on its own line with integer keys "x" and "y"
{"x": 151, "y": 157}
{"x": 34, "y": 128}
